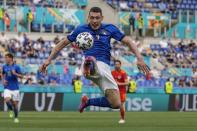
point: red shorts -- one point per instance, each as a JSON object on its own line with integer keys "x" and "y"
{"x": 122, "y": 97}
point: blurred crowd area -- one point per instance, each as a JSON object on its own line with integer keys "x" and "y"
{"x": 155, "y": 18}
{"x": 43, "y": 3}
{"x": 165, "y": 58}
{"x": 183, "y": 55}
{"x": 162, "y": 6}
{"x": 54, "y": 16}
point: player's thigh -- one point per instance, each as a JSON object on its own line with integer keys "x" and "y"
{"x": 113, "y": 97}
{"x": 7, "y": 95}
{"x": 15, "y": 96}
{"x": 106, "y": 79}
{"x": 15, "y": 103}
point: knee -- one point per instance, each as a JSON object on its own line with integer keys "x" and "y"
{"x": 6, "y": 99}
{"x": 116, "y": 105}
{"x": 15, "y": 105}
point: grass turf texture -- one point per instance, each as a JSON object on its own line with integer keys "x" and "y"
{"x": 100, "y": 121}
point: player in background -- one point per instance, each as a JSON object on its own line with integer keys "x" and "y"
{"x": 10, "y": 74}
{"x": 99, "y": 56}
{"x": 121, "y": 79}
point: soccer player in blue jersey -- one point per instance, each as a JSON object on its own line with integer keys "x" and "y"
{"x": 99, "y": 55}
{"x": 10, "y": 74}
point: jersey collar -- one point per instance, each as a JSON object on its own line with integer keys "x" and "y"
{"x": 10, "y": 65}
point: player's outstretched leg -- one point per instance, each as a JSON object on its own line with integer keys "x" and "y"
{"x": 15, "y": 109}
{"x": 111, "y": 100}
{"x": 8, "y": 102}
{"x": 100, "y": 101}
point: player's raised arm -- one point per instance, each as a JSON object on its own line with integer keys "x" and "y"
{"x": 140, "y": 61}
{"x": 64, "y": 42}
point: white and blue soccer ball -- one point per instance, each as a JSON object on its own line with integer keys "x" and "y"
{"x": 84, "y": 40}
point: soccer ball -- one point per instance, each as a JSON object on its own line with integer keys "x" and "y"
{"x": 84, "y": 40}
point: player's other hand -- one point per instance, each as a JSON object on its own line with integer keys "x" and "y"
{"x": 44, "y": 66}
{"x": 14, "y": 72}
{"x": 119, "y": 83}
{"x": 5, "y": 82}
{"x": 143, "y": 67}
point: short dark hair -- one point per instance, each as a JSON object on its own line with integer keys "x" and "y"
{"x": 9, "y": 55}
{"x": 117, "y": 61}
{"x": 96, "y": 9}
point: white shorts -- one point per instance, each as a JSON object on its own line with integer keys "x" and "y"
{"x": 103, "y": 77}
{"x": 13, "y": 94}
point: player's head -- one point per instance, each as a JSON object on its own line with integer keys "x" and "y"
{"x": 9, "y": 58}
{"x": 95, "y": 17}
{"x": 117, "y": 64}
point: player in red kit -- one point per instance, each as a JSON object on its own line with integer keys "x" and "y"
{"x": 121, "y": 78}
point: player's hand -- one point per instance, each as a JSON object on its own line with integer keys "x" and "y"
{"x": 143, "y": 67}
{"x": 14, "y": 72}
{"x": 25, "y": 77}
{"x": 5, "y": 82}
{"x": 44, "y": 66}
{"x": 119, "y": 83}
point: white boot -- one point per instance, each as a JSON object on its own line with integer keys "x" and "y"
{"x": 121, "y": 121}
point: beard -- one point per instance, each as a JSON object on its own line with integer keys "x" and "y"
{"x": 95, "y": 26}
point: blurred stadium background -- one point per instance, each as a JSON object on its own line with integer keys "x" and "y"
{"x": 165, "y": 31}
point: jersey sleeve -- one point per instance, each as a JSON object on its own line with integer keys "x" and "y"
{"x": 18, "y": 70}
{"x": 73, "y": 35}
{"x": 116, "y": 33}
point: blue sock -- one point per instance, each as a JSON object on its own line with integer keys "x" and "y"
{"x": 9, "y": 105}
{"x": 101, "y": 102}
{"x": 15, "y": 112}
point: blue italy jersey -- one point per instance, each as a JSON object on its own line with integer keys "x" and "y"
{"x": 101, "y": 47}
{"x": 12, "y": 80}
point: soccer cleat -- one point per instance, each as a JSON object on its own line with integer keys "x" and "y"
{"x": 121, "y": 121}
{"x": 144, "y": 68}
{"x": 11, "y": 114}
{"x": 83, "y": 105}
{"x": 16, "y": 120}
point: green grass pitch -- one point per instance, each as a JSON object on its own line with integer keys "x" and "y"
{"x": 100, "y": 121}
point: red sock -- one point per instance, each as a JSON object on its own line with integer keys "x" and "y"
{"x": 122, "y": 113}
